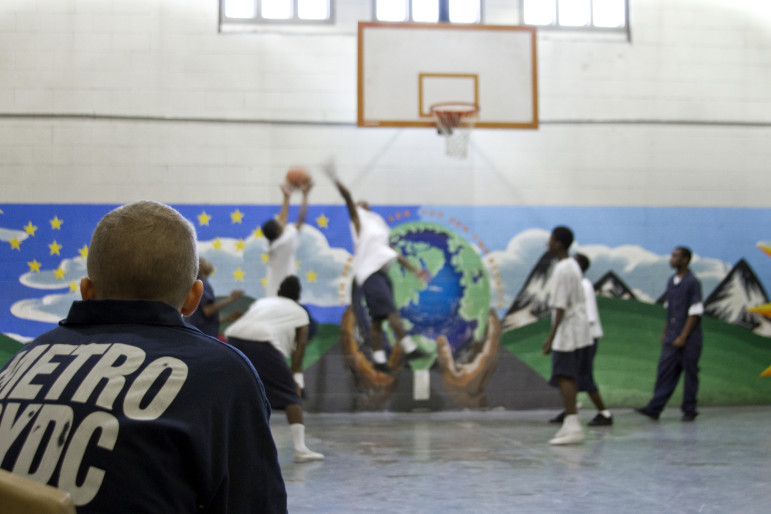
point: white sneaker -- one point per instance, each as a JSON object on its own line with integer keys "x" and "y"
{"x": 307, "y": 455}
{"x": 571, "y": 431}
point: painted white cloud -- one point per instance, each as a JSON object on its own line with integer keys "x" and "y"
{"x": 8, "y": 234}
{"x": 321, "y": 268}
{"x": 53, "y": 307}
{"x": 74, "y": 269}
{"x": 643, "y": 271}
{"x": 50, "y": 309}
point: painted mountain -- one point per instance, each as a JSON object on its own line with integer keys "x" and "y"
{"x": 611, "y": 286}
{"x": 531, "y": 302}
{"x": 739, "y": 290}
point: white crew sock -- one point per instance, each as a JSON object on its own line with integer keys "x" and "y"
{"x": 298, "y": 436}
{"x": 379, "y": 356}
{"x": 408, "y": 345}
{"x": 606, "y": 413}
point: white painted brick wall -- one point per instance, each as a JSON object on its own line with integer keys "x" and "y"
{"x": 704, "y": 64}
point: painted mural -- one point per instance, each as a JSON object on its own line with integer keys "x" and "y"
{"x": 481, "y": 316}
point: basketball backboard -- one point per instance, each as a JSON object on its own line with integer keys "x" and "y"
{"x": 405, "y": 68}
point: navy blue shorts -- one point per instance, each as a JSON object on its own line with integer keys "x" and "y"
{"x": 379, "y": 295}
{"x": 280, "y": 387}
{"x": 576, "y": 365}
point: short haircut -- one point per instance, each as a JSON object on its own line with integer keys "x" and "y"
{"x": 583, "y": 261}
{"x": 143, "y": 250}
{"x": 271, "y": 230}
{"x": 290, "y": 288}
{"x": 563, "y": 235}
{"x": 685, "y": 251}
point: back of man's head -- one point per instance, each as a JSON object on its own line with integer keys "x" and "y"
{"x": 143, "y": 250}
{"x": 290, "y": 288}
{"x": 583, "y": 261}
{"x": 563, "y": 235}
{"x": 271, "y": 229}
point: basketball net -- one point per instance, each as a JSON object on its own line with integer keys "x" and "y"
{"x": 454, "y": 121}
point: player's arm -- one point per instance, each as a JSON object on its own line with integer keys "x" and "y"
{"x": 421, "y": 273}
{"x": 213, "y": 308}
{"x": 301, "y": 338}
{"x": 559, "y": 314}
{"x": 305, "y": 188}
{"x": 283, "y": 215}
{"x": 331, "y": 172}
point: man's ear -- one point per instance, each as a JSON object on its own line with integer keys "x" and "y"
{"x": 193, "y": 297}
{"x": 87, "y": 291}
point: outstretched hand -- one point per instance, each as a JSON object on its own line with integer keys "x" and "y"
{"x": 466, "y": 382}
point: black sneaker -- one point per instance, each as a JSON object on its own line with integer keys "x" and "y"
{"x": 645, "y": 412}
{"x": 689, "y": 416}
{"x": 559, "y": 418}
{"x": 601, "y": 421}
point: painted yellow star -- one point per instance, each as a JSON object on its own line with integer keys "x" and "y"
{"x": 56, "y": 223}
{"x": 322, "y": 221}
{"x": 265, "y": 258}
{"x": 74, "y": 286}
{"x": 311, "y": 276}
{"x": 84, "y": 251}
{"x": 264, "y": 281}
{"x": 54, "y": 247}
{"x": 203, "y": 219}
{"x": 30, "y": 229}
{"x": 258, "y": 232}
{"x": 238, "y": 274}
{"x": 34, "y": 266}
{"x": 59, "y": 273}
{"x": 217, "y": 244}
{"x": 15, "y": 244}
{"x": 240, "y": 245}
{"x": 236, "y": 216}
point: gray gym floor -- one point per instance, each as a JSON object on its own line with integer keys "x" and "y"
{"x": 500, "y": 461}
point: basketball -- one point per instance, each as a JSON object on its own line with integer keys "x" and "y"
{"x": 297, "y": 176}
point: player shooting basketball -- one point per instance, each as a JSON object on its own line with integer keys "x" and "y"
{"x": 373, "y": 256}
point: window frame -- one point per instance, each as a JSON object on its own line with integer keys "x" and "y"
{"x": 586, "y": 28}
{"x": 444, "y": 13}
{"x": 259, "y": 20}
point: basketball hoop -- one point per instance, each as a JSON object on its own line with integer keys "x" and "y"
{"x": 454, "y": 121}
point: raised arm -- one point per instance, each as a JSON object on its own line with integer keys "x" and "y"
{"x": 306, "y": 188}
{"x": 331, "y": 172}
{"x": 283, "y": 215}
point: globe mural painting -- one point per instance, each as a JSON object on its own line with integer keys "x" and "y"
{"x": 455, "y": 301}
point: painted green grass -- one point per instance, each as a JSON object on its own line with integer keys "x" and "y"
{"x": 625, "y": 366}
{"x": 327, "y": 336}
{"x": 8, "y": 347}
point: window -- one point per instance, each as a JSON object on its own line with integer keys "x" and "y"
{"x": 429, "y": 11}
{"x": 281, "y": 11}
{"x": 576, "y": 14}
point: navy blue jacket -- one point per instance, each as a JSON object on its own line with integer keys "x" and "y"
{"x": 133, "y": 411}
{"x": 679, "y": 299}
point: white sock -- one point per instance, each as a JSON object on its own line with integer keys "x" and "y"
{"x": 298, "y": 436}
{"x": 379, "y": 356}
{"x": 572, "y": 421}
{"x": 408, "y": 345}
{"x": 606, "y": 413}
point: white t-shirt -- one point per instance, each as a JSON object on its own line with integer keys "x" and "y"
{"x": 567, "y": 293}
{"x": 372, "y": 248}
{"x": 592, "y": 312}
{"x": 274, "y": 320}
{"x": 281, "y": 258}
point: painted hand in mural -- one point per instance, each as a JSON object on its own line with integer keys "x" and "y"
{"x": 465, "y": 382}
{"x": 374, "y": 387}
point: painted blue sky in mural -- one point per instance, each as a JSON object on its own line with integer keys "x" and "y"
{"x": 43, "y": 249}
